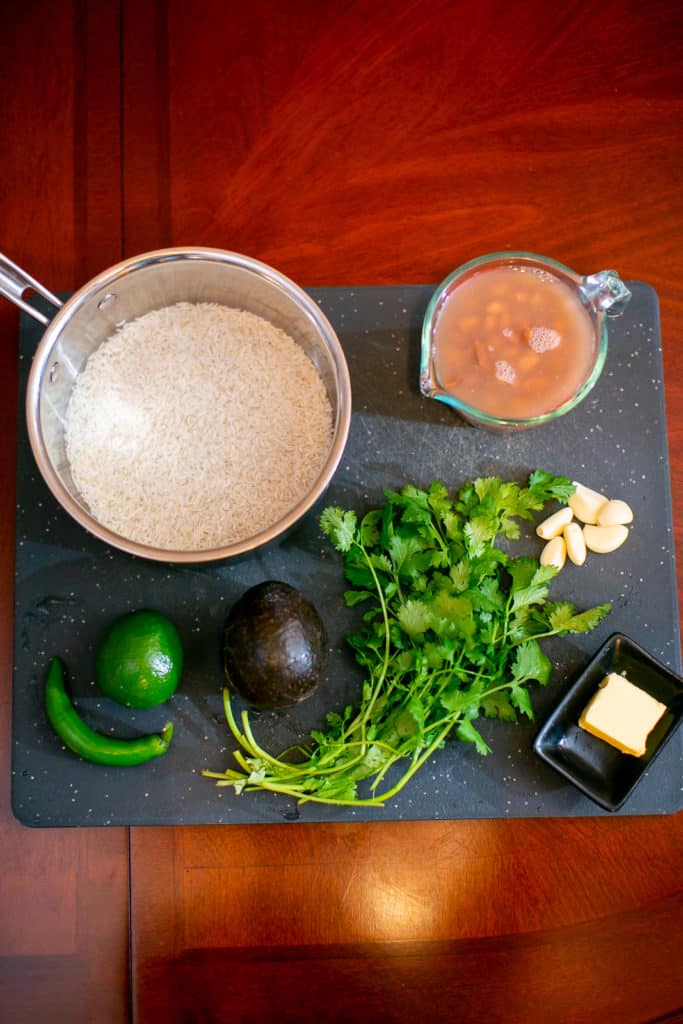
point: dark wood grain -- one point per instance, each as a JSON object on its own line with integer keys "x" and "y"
{"x": 63, "y": 894}
{"x": 516, "y": 978}
{"x": 350, "y": 143}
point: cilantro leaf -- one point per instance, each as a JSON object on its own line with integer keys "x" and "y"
{"x": 400, "y": 549}
{"x": 531, "y": 663}
{"x": 414, "y": 617}
{"x": 450, "y": 606}
{"x": 359, "y": 575}
{"x": 354, "y": 597}
{"x": 487, "y": 596}
{"x": 497, "y": 705}
{"x": 460, "y": 575}
{"x": 418, "y": 563}
{"x": 439, "y": 500}
{"x": 381, "y": 562}
{"x": 478, "y": 532}
{"x": 461, "y": 702}
{"x": 370, "y": 528}
{"x": 537, "y": 590}
{"x": 519, "y": 698}
{"x": 522, "y": 571}
{"x": 339, "y": 526}
{"x": 467, "y": 732}
{"x": 546, "y": 486}
{"x": 563, "y": 617}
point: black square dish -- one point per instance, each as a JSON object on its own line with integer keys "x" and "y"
{"x": 598, "y": 769}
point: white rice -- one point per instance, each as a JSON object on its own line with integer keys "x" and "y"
{"x": 196, "y": 426}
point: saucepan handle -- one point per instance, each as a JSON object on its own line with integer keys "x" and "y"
{"x": 15, "y": 282}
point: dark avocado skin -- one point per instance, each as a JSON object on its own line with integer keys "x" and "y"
{"x": 274, "y": 646}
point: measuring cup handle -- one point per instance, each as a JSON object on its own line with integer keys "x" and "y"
{"x": 15, "y": 282}
{"x": 606, "y": 292}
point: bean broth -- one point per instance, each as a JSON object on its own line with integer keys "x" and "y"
{"x": 514, "y": 342}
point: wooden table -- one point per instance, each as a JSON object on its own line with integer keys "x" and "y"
{"x": 350, "y": 143}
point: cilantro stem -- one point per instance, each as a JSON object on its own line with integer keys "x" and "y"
{"x": 417, "y": 763}
{"x": 311, "y": 798}
{"x": 253, "y": 745}
{"x": 534, "y": 636}
{"x": 363, "y": 718}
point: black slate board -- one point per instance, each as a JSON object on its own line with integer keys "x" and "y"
{"x": 69, "y": 587}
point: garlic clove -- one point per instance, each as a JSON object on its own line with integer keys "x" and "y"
{"x": 554, "y": 553}
{"x": 585, "y": 503}
{"x": 603, "y": 539}
{"x": 615, "y": 513}
{"x": 554, "y": 524}
{"x": 575, "y": 543}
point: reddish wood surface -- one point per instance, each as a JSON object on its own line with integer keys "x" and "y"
{"x": 63, "y": 894}
{"x": 352, "y": 143}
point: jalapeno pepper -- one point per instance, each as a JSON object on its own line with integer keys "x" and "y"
{"x": 89, "y": 744}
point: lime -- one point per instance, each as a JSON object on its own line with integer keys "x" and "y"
{"x": 140, "y": 660}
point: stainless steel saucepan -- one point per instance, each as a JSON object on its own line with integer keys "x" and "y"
{"x": 130, "y": 289}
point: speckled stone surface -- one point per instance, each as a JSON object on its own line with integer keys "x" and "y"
{"x": 70, "y": 587}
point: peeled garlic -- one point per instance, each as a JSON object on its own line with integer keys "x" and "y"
{"x": 603, "y": 539}
{"x": 554, "y": 553}
{"x": 575, "y": 543}
{"x": 554, "y": 524}
{"x": 585, "y": 504}
{"x": 615, "y": 513}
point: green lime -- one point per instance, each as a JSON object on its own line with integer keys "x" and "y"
{"x": 140, "y": 660}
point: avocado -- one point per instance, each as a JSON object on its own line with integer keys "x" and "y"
{"x": 274, "y": 646}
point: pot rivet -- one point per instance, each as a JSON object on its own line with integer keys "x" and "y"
{"x": 54, "y": 373}
{"x": 105, "y": 300}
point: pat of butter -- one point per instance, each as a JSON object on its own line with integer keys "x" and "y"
{"x": 622, "y": 714}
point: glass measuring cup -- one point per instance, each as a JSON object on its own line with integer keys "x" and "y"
{"x": 503, "y": 348}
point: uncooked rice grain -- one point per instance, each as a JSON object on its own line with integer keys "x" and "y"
{"x": 196, "y": 426}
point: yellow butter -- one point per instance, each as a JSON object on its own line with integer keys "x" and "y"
{"x": 622, "y": 714}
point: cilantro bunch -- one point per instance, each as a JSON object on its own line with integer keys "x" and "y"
{"x": 450, "y": 632}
